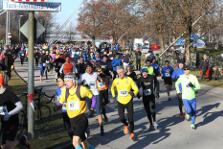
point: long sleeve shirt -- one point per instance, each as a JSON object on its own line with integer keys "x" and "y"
{"x": 188, "y": 92}
{"x": 124, "y": 87}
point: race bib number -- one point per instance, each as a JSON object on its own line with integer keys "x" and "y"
{"x": 101, "y": 84}
{"x": 92, "y": 84}
{"x": 123, "y": 93}
{"x": 167, "y": 74}
{"x": 73, "y": 105}
{"x": 147, "y": 92}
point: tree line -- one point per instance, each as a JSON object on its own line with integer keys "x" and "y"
{"x": 161, "y": 20}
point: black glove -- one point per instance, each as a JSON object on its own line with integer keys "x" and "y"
{"x": 191, "y": 85}
{"x": 157, "y": 95}
{"x": 132, "y": 94}
{"x": 138, "y": 95}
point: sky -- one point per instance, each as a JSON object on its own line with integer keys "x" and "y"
{"x": 68, "y": 7}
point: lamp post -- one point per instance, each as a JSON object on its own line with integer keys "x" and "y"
{"x": 20, "y": 16}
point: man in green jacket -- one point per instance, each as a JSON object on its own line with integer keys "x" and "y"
{"x": 190, "y": 86}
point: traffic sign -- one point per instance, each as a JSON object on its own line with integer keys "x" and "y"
{"x": 39, "y": 29}
{"x": 34, "y": 6}
{"x": 28, "y": 1}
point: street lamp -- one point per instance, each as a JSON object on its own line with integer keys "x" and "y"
{"x": 20, "y": 16}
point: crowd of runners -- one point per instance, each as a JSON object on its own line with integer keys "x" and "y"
{"x": 88, "y": 79}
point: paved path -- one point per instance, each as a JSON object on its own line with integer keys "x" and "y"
{"x": 173, "y": 132}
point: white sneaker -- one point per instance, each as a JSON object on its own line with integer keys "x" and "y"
{"x": 155, "y": 125}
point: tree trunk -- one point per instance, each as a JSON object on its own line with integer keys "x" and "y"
{"x": 188, "y": 41}
{"x": 162, "y": 46}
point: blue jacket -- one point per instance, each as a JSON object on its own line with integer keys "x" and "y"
{"x": 167, "y": 71}
{"x": 115, "y": 63}
{"x": 176, "y": 74}
{"x": 156, "y": 69}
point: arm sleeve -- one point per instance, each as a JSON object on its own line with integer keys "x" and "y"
{"x": 17, "y": 109}
{"x": 61, "y": 69}
{"x": 196, "y": 84}
{"x": 177, "y": 85}
{"x": 173, "y": 76}
{"x": 156, "y": 86}
{"x": 75, "y": 69}
{"x": 85, "y": 92}
{"x": 134, "y": 87}
{"x": 113, "y": 86}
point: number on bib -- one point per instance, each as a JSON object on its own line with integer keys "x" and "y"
{"x": 124, "y": 93}
{"x": 73, "y": 105}
{"x": 167, "y": 74}
{"x": 147, "y": 92}
{"x": 101, "y": 84}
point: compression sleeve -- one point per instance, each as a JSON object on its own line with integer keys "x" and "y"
{"x": 16, "y": 110}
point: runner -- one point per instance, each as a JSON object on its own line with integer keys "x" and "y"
{"x": 138, "y": 57}
{"x": 66, "y": 120}
{"x": 10, "y": 106}
{"x": 176, "y": 74}
{"x": 102, "y": 85}
{"x": 126, "y": 90}
{"x": 130, "y": 73}
{"x": 167, "y": 71}
{"x": 43, "y": 68}
{"x": 116, "y": 62}
{"x": 68, "y": 67}
{"x": 149, "y": 90}
{"x": 190, "y": 86}
{"x": 76, "y": 108}
{"x": 90, "y": 79}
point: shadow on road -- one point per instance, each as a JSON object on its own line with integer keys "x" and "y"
{"x": 146, "y": 137}
{"x": 209, "y": 117}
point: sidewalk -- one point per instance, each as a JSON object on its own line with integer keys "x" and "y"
{"x": 48, "y": 85}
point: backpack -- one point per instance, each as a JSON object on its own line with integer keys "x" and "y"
{"x": 77, "y": 93}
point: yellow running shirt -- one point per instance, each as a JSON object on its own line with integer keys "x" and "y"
{"x": 74, "y": 105}
{"x": 123, "y": 87}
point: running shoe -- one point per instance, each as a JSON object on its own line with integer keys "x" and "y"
{"x": 187, "y": 116}
{"x": 155, "y": 125}
{"x": 132, "y": 136}
{"x": 125, "y": 130}
{"x": 151, "y": 128}
{"x": 24, "y": 141}
{"x": 79, "y": 147}
{"x": 193, "y": 126}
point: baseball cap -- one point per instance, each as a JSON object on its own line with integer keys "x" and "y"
{"x": 144, "y": 70}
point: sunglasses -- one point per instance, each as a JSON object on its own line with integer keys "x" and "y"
{"x": 186, "y": 69}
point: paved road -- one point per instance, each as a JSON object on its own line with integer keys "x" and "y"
{"x": 173, "y": 132}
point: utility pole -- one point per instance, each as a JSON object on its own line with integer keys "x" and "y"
{"x": 20, "y": 17}
{"x": 7, "y": 28}
{"x": 30, "y": 74}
